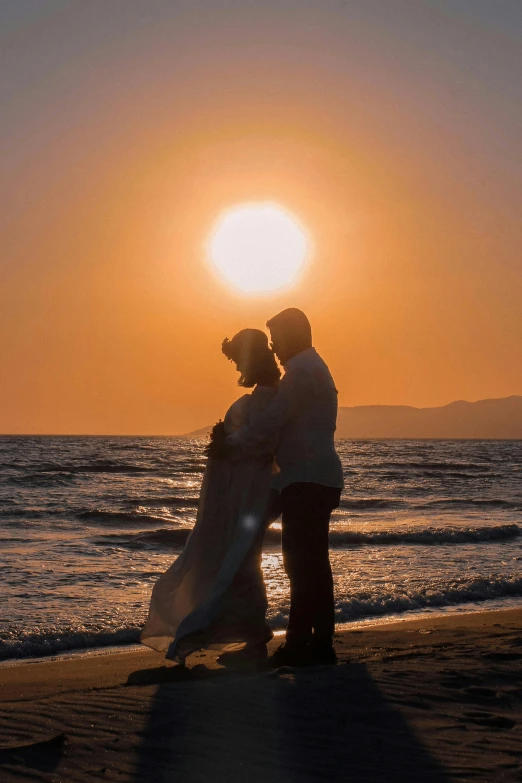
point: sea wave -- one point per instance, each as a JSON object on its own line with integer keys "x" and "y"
{"x": 108, "y": 517}
{"x": 96, "y": 466}
{"x": 427, "y": 536}
{"x": 156, "y": 466}
{"x": 36, "y": 645}
{"x": 471, "y": 503}
{"x": 42, "y": 479}
{"x": 433, "y": 465}
{"x": 175, "y": 538}
{"x": 458, "y": 592}
{"x": 168, "y": 538}
{"x": 168, "y": 500}
{"x": 361, "y": 504}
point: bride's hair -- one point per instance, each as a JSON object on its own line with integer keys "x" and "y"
{"x": 256, "y": 362}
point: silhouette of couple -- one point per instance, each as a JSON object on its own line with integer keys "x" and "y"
{"x": 273, "y": 454}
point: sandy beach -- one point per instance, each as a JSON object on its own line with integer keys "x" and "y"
{"x": 432, "y": 699}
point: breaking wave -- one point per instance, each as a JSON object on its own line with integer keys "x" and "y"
{"x": 36, "y": 645}
{"x": 175, "y": 538}
{"x": 470, "y": 502}
{"x": 426, "y": 536}
{"x": 358, "y": 606}
{"x": 467, "y": 591}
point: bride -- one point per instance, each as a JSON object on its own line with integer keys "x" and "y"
{"x": 213, "y": 594}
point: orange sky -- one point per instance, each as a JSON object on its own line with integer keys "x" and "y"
{"x": 391, "y": 132}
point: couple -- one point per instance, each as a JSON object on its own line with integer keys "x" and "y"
{"x": 274, "y": 453}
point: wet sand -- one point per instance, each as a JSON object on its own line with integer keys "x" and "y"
{"x": 433, "y": 699}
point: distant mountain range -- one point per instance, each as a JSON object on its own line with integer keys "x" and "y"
{"x": 500, "y": 418}
{"x": 487, "y": 419}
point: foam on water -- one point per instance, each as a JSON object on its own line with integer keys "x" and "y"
{"x": 356, "y": 607}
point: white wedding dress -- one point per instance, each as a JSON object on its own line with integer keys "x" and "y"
{"x": 214, "y": 594}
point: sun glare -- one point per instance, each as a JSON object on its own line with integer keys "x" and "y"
{"x": 259, "y": 247}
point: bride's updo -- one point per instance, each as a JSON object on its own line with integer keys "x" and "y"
{"x": 254, "y": 359}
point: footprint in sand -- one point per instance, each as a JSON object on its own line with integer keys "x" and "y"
{"x": 489, "y": 720}
{"x": 44, "y": 755}
{"x": 486, "y": 696}
{"x": 483, "y": 693}
{"x": 459, "y": 681}
{"x": 499, "y": 656}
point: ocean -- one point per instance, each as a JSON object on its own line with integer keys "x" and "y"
{"x": 88, "y": 523}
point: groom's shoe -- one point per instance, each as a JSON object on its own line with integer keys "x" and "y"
{"x": 323, "y": 654}
{"x": 287, "y": 655}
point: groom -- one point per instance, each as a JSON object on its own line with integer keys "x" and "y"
{"x": 303, "y": 415}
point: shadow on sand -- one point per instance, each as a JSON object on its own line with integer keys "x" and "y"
{"x": 329, "y": 723}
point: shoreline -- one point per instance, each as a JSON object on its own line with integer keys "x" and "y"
{"x": 437, "y": 699}
{"x": 370, "y": 623}
{"x": 84, "y": 668}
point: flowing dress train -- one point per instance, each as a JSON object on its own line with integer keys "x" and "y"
{"x": 214, "y": 593}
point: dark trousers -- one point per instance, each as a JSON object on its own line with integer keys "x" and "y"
{"x": 306, "y": 511}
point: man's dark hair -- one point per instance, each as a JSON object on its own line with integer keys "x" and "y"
{"x": 295, "y": 326}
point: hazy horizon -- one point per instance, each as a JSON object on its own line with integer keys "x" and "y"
{"x": 390, "y": 129}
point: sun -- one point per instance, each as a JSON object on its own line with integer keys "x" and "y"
{"x": 259, "y": 247}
